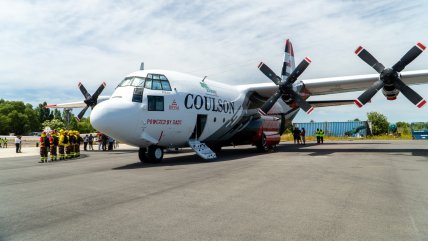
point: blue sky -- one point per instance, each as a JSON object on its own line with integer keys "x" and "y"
{"x": 47, "y": 47}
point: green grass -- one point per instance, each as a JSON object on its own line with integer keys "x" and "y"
{"x": 289, "y": 137}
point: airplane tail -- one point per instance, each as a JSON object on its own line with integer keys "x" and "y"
{"x": 288, "y": 65}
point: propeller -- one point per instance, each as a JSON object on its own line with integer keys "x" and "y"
{"x": 390, "y": 77}
{"x": 90, "y": 101}
{"x": 286, "y": 87}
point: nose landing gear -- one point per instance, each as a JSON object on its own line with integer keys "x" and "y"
{"x": 152, "y": 154}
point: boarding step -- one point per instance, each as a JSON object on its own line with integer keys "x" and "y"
{"x": 202, "y": 149}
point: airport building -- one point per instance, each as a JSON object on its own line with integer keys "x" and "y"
{"x": 348, "y": 128}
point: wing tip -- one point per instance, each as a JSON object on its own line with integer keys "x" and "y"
{"x": 310, "y": 110}
{"x": 309, "y": 60}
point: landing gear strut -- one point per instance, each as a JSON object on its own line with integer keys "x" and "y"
{"x": 262, "y": 146}
{"x": 153, "y": 154}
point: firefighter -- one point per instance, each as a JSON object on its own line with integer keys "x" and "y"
{"x": 79, "y": 140}
{"x": 53, "y": 142}
{"x": 44, "y": 142}
{"x": 61, "y": 145}
{"x": 67, "y": 145}
{"x": 72, "y": 140}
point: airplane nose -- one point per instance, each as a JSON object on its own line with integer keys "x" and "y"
{"x": 116, "y": 118}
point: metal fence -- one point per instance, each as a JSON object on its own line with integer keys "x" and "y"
{"x": 348, "y": 128}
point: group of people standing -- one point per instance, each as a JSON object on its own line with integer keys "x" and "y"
{"x": 299, "y": 136}
{"x": 66, "y": 142}
{"x": 3, "y": 142}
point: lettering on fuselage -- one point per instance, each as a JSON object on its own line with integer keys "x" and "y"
{"x": 163, "y": 122}
{"x": 208, "y": 103}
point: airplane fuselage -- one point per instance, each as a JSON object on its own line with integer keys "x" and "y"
{"x": 143, "y": 113}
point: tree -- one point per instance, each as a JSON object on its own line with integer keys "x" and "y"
{"x": 403, "y": 127}
{"x": 84, "y": 126}
{"x": 44, "y": 113}
{"x": 379, "y": 123}
{"x": 54, "y": 124}
{"x": 57, "y": 115}
{"x": 18, "y": 123}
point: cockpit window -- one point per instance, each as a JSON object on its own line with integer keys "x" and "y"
{"x": 157, "y": 82}
{"x": 126, "y": 82}
{"x": 132, "y": 81}
{"x": 138, "y": 81}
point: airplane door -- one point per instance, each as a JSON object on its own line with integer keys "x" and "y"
{"x": 201, "y": 121}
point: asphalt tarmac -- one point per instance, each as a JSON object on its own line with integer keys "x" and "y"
{"x": 356, "y": 190}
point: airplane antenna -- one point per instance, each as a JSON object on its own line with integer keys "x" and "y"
{"x": 204, "y": 78}
{"x": 142, "y": 66}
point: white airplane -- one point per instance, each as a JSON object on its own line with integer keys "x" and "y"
{"x": 158, "y": 109}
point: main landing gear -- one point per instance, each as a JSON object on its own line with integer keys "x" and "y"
{"x": 262, "y": 145}
{"x": 152, "y": 154}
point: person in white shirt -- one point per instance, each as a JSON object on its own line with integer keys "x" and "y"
{"x": 18, "y": 144}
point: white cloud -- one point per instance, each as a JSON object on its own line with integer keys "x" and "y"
{"x": 55, "y": 44}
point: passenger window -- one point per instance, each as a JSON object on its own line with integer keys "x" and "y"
{"x": 155, "y": 103}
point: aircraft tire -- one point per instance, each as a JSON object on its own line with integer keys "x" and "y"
{"x": 155, "y": 154}
{"x": 261, "y": 145}
{"x": 142, "y": 154}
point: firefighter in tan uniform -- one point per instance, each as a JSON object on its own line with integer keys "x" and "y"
{"x": 44, "y": 143}
{"x": 53, "y": 142}
{"x": 72, "y": 140}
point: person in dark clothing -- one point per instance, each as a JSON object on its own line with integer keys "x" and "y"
{"x": 296, "y": 135}
{"x": 303, "y": 135}
{"x": 104, "y": 141}
{"x": 91, "y": 142}
{"x": 85, "y": 143}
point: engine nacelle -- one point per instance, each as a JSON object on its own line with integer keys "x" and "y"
{"x": 390, "y": 92}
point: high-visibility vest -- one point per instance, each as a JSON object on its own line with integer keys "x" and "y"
{"x": 321, "y": 133}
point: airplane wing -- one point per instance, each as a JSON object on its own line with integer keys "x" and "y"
{"x": 327, "y": 103}
{"x": 336, "y": 85}
{"x": 358, "y": 82}
{"x": 78, "y": 104}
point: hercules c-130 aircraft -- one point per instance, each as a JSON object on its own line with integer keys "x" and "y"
{"x": 156, "y": 109}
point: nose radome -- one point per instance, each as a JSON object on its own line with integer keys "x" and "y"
{"x": 116, "y": 118}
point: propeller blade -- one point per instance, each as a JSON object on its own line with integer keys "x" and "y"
{"x": 302, "y": 103}
{"x": 369, "y": 93}
{"x": 98, "y": 92}
{"x": 369, "y": 59}
{"x": 84, "y": 91}
{"x": 298, "y": 70}
{"x": 270, "y": 102}
{"x": 82, "y": 112}
{"x": 410, "y": 94}
{"x": 411, "y": 55}
{"x": 288, "y": 63}
{"x": 269, "y": 73}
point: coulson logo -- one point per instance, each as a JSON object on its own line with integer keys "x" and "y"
{"x": 208, "y": 103}
{"x": 208, "y": 89}
{"x": 174, "y": 106}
